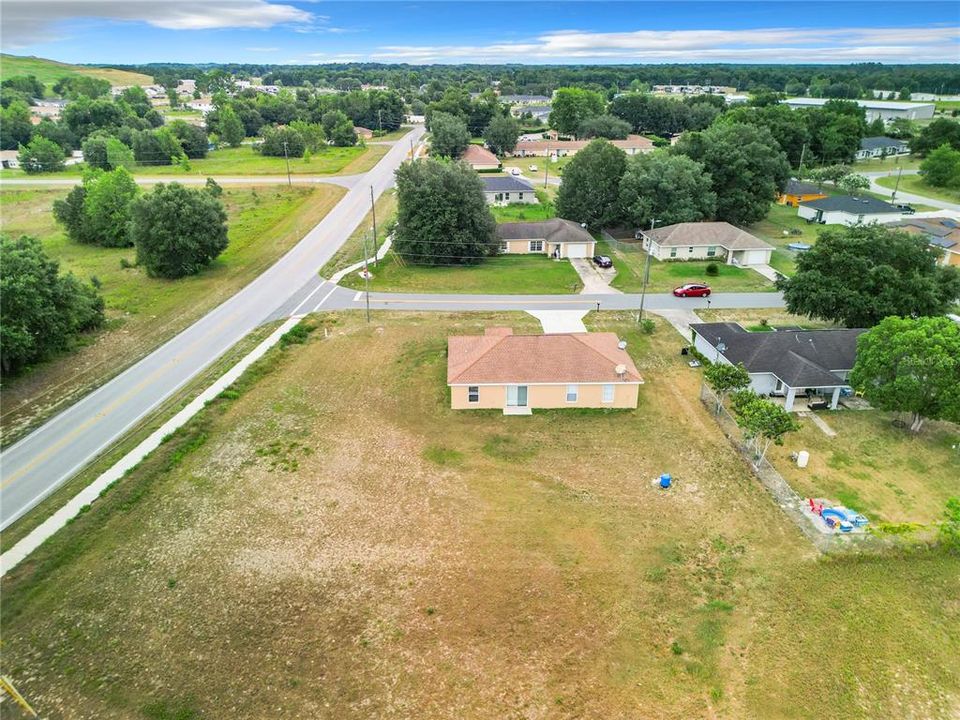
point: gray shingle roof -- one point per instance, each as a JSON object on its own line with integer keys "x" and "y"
{"x": 875, "y": 143}
{"x": 804, "y": 358}
{"x": 852, "y": 205}
{"x": 795, "y": 187}
{"x": 505, "y": 183}
{"x": 721, "y": 234}
{"x": 555, "y": 230}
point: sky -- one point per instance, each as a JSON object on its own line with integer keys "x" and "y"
{"x": 427, "y": 31}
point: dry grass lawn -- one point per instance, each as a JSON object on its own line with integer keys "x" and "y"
{"x": 331, "y": 541}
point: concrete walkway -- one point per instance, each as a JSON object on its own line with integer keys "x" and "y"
{"x": 596, "y": 281}
{"x": 680, "y": 319}
{"x": 561, "y": 321}
{"x": 768, "y": 272}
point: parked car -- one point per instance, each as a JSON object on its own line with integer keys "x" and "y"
{"x": 602, "y": 261}
{"x": 692, "y": 290}
{"x": 515, "y": 171}
{"x": 533, "y": 168}
{"x": 907, "y": 209}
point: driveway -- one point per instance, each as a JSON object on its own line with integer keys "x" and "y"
{"x": 596, "y": 281}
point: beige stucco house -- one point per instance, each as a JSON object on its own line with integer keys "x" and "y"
{"x": 517, "y": 373}
{"x": 557, "y": 238}
{"x": 706, "y": 241}
{"x": 480, "y": 159}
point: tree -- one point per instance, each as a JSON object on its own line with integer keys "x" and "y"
{"x": 941, "y": 168}
{"x": 904, "y": 94}
{"x": 193, "y": 138}
{"x": 747, "y": 167}
{"x": 136, "y": 99}
{"x": 442, "y": 214}
{"x": 106, "y": 153}
{"x": 571, "y": 106}
{"x": 829, "y": 173}
{"x": 940, "y": 131}
{"x": 859, "y": 275}
{"x": 725, "y": 378}
{"x": 281, "y": 141}
{"x": 177, "y": 231}
{"x": 449, "y": 136}
{"x": 15, "y": 125}
{"x": 107, "y": 207}
{"x": 314, "y": 138}
{"x": 902, "y": 128}
{"x": 667, "y": 188}
{"x": 590, "y": 191}
{"x": 41, "y": 311}
{"x": 26, "y": 84}
{"x": 173, "y": 97}
{"x": 763, "y": 422}
{"x": 69, "y": 213}
{"x": 853, "y": 183}
{"x": 58, "y": 132}
{"x": 230, "y": 127}
{"x": 85, "y": 116}
{"x": 156, "y": 147}
{"x": 949, "y": 533}
{"x": 502, "y": 134}
{"x": 911, "y": 365}
{"x": 340, "y": 130}
{"x": 41, "y": 155}
{"x": 787, "y": 127}
{"x": 604, "y": 126}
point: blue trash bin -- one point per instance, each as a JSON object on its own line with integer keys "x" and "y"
{"x": 665, "y": 480}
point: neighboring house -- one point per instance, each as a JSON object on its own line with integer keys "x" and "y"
{"x": 363, "y": 132}
{"x": 9, "y": 159}
{"x": 706, "y": 241}
{"x": 500, "y": 190}
{"x": 784, "y": 363}
{"x": 525, "y": 99}
{"x": 539, "y": 112}
{"x": 204, "y": 105}
{"x": 874, "y": 147}
{"x": 941, "y": 233}
{"x": 847, "y": 210}
{"x": 520, "y": 372}
{"x": 886, "y": 111}
{"x": 480, "y": 159}
{"x": 187, "y": 87}
{"x": 556, "y": 237}
{"x": 797, "y": 192}
{"x": 633, "y": 145}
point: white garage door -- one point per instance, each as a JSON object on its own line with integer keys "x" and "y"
{"x": 577, "y": 250}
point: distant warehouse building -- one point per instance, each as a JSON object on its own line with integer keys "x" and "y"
{"x": 882, "y": 109}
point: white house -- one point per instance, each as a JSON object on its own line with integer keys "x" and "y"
{"x": 784, "y": 363}
{"x": 9, "y": 159}
{"x": 505, "y": 190}
{"x": 556, "y": 237}
{"x": 706, "y": 241}
{"x": 847, "y": 210}
{"x": 874, "y": 147}
{"x": 882, "y": 109}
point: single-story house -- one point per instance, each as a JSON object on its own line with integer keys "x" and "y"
{"x": 365, "y": 133}
{"x": 784, "y": 363}
{"x": 706, "y": 241}
{"x": 556, "y": 237}
{"x": 480, "y": 159}
{"x": 10, "y": 159}
{"x": 520, "y": 372}
{"x": 505, "y": 190}
{"x": 633, "y": 145}
{"x": 873, "y": 147}
{"x": 942, "y": 233}
{"x": 847, "y": 210}
{"x": 885, "y": 110}
{"x": 525, "y": 99}
{"x": 797, "y": 192}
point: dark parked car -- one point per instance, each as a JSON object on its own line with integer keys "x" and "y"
{"x": 602, "y": 261}
{"x": 692, "y": 290}
{"x": 907, "y": 209}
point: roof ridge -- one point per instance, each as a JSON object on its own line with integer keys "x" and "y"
{"x": 581, "y": 338}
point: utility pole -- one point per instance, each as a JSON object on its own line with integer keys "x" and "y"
{"x": 366, "y": 276}
{"x": 896, "y": 187}
{"x": 546, "y": 166}
{"x": 373, "y": 210}
{"x": 803, "y": 151}
{"x": 287, "y": 158}
{"x": 380, "y": 119}
{"x": 646, "y": 271}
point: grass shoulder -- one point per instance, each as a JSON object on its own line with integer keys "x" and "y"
{"x": 918, "y": 186}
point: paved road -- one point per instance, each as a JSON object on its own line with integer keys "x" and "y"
{"x": 40, "y": 462}
{"x": 905, "y": 197}
{"x": 347, "y": 181}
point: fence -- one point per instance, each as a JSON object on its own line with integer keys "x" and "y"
{"x": 785, "y": 496}
{"x": 623, "y": 245}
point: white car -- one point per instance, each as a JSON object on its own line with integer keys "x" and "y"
{"x": 533, "y": 168}
{"x": 515, "y": 171}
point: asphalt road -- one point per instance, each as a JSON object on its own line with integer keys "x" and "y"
{"x": 36, "y": 465}
{"x": 905, "y": 197}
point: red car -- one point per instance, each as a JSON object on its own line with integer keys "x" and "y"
{"x": 692, "y": 290}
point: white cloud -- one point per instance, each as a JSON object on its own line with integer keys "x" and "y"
{"x": 31, "y": 21}
{"x": 929, "y": 44}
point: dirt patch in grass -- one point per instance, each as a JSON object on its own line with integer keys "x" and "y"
{"x": 415, "y": 563}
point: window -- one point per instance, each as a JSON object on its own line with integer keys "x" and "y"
{"x": 536, "y": 246}
{"x": 473, "y": 393}
{"x": 608, "y": 393}
{"x": 673, "y": 252}
{"x": 506, "y": 196}
{"x": 572, "y": 393}
{"x": 521, "y": 196}
{"x": 503, "y": 246}
{"x": 712, "y": 251}
{"x": 689, "y": 249}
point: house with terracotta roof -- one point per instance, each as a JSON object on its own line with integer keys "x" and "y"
{"x": 480, "y": 159}
{"x": 365, "y": 133}
{"x": 706, "y": 241}
{"x": 556, "y": 237}
{"x": 518, "y": 373}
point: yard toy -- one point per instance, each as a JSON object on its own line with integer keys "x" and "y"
{"x": 665, "y": 480}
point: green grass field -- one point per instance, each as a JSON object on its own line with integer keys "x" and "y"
{"x": 521, "y": 212}
{"x": 907, "y": 162}
{"x": 49, "y": 71}
{"x": 353, "y": 249}
{"x": 916, "y": 185}
{"x": 465, "y": 564}
{"x": 508, "y": 275}
{"x": 142, "y": 311}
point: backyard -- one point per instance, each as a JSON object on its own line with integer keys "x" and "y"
{"x": 330, "y": 531}
{"x": 142, "y": 312}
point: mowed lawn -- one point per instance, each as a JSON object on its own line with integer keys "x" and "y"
{"x": 142, "y": 312}
{"x": 503, "y": 274}
{"x": 335, "y": 532}
{"x": 918, "y": 186}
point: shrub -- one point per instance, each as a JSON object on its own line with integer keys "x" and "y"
{"x": 712, "y": 270}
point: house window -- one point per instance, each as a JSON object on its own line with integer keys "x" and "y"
{"x": 507, "y": 196}
{"x": 673, "y": 252}
{"x": 608, "y": 393}
{"x": 536, "y": 246}
{"x": 498, "y": 197}
{"x": 473, "y": 393}
{"x": 503, "y": 246}
{"x": 573, "y": 392}
{"x": 689, "y": 249}
{"x": 712, "y": 251}
{"x": 521, "y": 196}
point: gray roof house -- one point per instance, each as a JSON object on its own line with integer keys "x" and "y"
{"x": 846, "y": 210}
{"x": 556, "y": 238}
{"x": 881, "y": 147}
{"x": 784, "y": 363}
{"x": 506, "y": 189}
{"x": 706, "y": 240}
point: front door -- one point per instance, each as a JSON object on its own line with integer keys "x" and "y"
{"x": 516, "y": 395}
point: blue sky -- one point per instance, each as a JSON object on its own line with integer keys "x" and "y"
{"x": 279, "y": 31}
